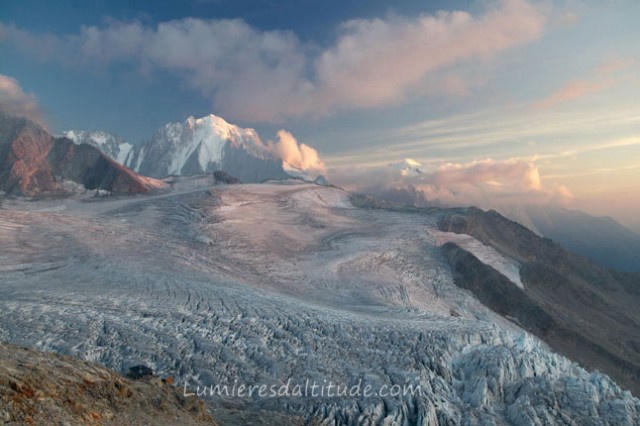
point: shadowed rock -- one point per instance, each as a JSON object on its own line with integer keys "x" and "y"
{"x": 224, "y": 177}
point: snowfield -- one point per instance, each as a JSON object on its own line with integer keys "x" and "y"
{"x": 261, "y": 284}
{"x": 487, "y": 255}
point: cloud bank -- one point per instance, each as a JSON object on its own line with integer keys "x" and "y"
{"x": 484, "y": 183}
{"x": 268, "y": 76}
{"x": 15, "y": 101}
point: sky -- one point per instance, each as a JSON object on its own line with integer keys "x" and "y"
{"x": 503, "y": 103}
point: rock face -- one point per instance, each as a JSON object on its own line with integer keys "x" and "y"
{"x": 582, "y": 310}
{"x": 41, "y": 388}
{"x": 32, "y": 162}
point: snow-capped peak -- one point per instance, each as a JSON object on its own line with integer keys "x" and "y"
{"x": 408, "y": 167}
{"x": 111, "y": 145}
{"x": 197, "y": 145}
{"x": 217, "y": 124}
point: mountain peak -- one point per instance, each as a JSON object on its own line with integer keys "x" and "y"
{"x": 203, "y": 145}
{"x": 408, "y": 167}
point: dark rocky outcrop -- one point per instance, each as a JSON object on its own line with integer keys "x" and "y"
{"x": 32, "y": 162}
{"x": 139, "y": 371}
{"x": 223, "y": 177}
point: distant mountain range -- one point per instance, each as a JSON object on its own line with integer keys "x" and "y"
{"x": 208, "y": 144}
{"x": 601, "y": 239}
{"x": 192, "y": 147}
{"x": 32, "y": 162}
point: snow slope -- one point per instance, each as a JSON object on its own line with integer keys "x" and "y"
{"x": 487, "y": 255}
{"x": 261, "y": 284}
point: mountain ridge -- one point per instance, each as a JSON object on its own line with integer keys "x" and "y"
{"x": 602, "y": 239}
{"x": 196, "y": 146}
{"x": 587, "y": 304}
{"x": 33, "y": 162}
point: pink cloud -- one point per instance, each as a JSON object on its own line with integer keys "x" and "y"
{"x": 267, "y": 76}
{"x": 379, "y": 60}
{"x": 485, "y": 183}
{"x": 599, "y": 80}
{"x": 570, "y": 91}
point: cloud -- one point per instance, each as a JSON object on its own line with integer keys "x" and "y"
{"x": 519, "y": 174}
{"x": 600, "y": 79}
{"x": 570, "y": 91}
{"x": 377, "y": 61}
{"x": 296, "y": 154}
{"x": 267, "y": 76}
{"x": 485, "y": 183}
{"x": 15, "y": 101}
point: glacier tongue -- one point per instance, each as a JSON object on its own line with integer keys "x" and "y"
{"x": 261, "y": 284}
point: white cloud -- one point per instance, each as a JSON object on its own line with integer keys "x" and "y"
{"x": 15, "y": 101}
{"x": 270, "y": 75}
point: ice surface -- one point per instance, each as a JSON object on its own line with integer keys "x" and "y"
{"x": 266, "y": 283}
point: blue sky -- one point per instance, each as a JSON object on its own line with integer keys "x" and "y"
{"x": 501, "y": 101}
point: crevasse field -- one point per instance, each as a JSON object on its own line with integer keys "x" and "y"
{"x": 284, "y": 282}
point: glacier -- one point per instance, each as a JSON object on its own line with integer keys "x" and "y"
{"x": 262, "y": 284}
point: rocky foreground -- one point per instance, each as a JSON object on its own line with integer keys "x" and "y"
{"x": 38, "y": 388}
